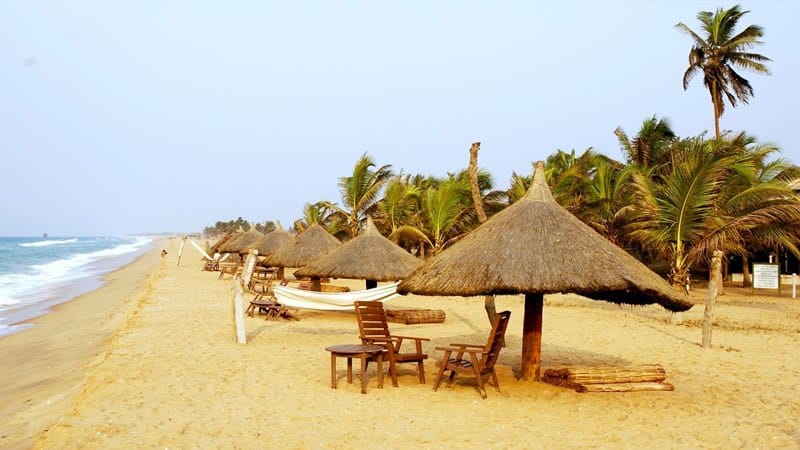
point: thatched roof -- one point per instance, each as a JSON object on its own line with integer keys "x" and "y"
{"x": 222, "y": 241}
{"x": 272, "y": 241}
{"x": 243, "y": 243}
{"x": 535, "y": 246}
{"x": 313, "y": 243}
{"x": 369, "y": 256}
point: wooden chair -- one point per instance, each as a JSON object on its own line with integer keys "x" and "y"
{"x": 480, "y": 360}
{"x": 373, "y": 328}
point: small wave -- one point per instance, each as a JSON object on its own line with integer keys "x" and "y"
{"x": 46, "y": 243}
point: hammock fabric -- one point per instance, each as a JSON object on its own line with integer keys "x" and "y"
{"x": 331, "y": 301}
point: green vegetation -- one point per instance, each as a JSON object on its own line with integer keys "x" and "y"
{"x": 671, "y": 203}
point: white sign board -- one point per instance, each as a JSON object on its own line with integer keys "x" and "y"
{"x": 765, "y": 276}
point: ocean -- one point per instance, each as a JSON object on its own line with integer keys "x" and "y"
{"x": 37, "y": 273}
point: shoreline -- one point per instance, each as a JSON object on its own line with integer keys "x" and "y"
{"x": 45, "y": 364}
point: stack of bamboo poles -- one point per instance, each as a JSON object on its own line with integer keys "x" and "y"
{"x": 412, "y": 316}
{"x": 648, "y": 377}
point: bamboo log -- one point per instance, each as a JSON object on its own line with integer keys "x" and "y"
{"x": 412, "y": 316}
{"x": 609, "y": 374}
{"x": 625, "y": 387}
{"x": 200, "y": 249}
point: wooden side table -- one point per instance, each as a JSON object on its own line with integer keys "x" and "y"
{"x": 365, "y": 353}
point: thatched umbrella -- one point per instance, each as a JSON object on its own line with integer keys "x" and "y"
{"x": 243, "y": 243}
{"x": 369, "y": 256}
{"x": 227, "y": 237}
{"x": 271, "y": 242}
{"x": 313, "y": 243}
{"x": 536, "y": 247}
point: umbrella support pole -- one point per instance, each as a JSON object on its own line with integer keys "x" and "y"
{"x": 532, "y": 337}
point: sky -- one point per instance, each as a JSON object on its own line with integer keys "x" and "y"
{"x": 167, "y": 116}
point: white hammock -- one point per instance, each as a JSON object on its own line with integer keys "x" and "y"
{"x": 332, "y": 301}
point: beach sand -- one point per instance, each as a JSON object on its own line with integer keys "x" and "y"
{"x": 44, "y": 367}
{"x": 172, "y": 376}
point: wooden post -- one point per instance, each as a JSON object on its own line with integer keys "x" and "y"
{"x": 715, "y": 273}
{"x": 238, "y": 311}
{"x": 249, "y": 266}
{"x": 316, "y": 284}
{"x": 180, "y": 251}
{"x": 532, "y": 337}
{"x": 371, "y": 284}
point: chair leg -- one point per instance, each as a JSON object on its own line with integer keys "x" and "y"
{"x": 494, "y": 377}
{"x": 421, "y": 367}
{"x": 481, "y": 388}
{"x": 451, "y": 378}
{"x": 393, "y": 371}
{"x": 439, "y": 376}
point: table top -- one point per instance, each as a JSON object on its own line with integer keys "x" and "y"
{"x": 355, "y": 348}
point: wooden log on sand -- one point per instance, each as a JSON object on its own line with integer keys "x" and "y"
{"x": 610, "y": 374}
{"x": 625, "y": 387}
{"x": 412, "y": 316}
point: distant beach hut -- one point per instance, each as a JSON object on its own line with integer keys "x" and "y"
{"x": 271, "y": 242}
{"x": 313, "y": 243}
{"x": 536, "y": 247}
{"x": 243, "y": 243}
{"x": 369, "y": 256}
{"x": 217, "y": 247}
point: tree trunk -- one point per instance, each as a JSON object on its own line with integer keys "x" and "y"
{"x": 715, "y": 274}
{"x": 477, "y": 201}
{"x": 746, "y": 280}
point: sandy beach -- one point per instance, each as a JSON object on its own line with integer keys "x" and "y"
{"x": 161, "y": 368}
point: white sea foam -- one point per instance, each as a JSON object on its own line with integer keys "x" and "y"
{"x": 16, "y": 288}
{"x": 47, "y": 243}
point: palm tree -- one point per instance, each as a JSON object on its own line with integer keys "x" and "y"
{"x": 677, "y": 212}
{"x": 716, "y": 55}
{"x": 650, "y": 145}
{"x": 443, "y": 218}
{"x": 360, "y": 192}
{"x": 400, "y": 202}
{"x": 759, "y": 207}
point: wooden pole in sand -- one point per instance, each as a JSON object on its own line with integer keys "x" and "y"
{"x": 180, "y": 251}
{"x": 715, "y": 275}
{"x": 238, "y": 311}
{"x": 238, "y": 298}
{"x": 532, "y": 337}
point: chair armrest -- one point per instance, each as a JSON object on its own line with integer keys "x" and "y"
{"x": 467, "y": 345}
{"x": 409, "y": 337}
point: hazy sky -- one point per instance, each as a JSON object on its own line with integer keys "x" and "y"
{"x": 146, "y": 116}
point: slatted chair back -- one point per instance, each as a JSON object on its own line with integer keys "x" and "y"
{"x": 372, "y": 323}
{"x": 495, "y": 343}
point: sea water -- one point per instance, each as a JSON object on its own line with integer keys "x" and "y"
{"x": 36, "y": 273}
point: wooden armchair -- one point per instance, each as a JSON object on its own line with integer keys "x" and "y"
{"x": 478, "y": 360}
{"x": 373, "y": 328}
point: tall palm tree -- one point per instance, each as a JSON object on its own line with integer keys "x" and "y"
{"x": 717, "y": 53}
{"x": 650, "y": 146}
{"x": 400, "y": 202}
{"x": 360, "y": 192}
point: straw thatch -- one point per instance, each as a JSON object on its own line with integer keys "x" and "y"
{"x": 537, "y": 246}
{"x": 227, "y": 237}
{"x": 306, "y": 247}
{"x": 243, "y": 243}
{"x": 272, "y": 241}
{"x": 369, "y": 256}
